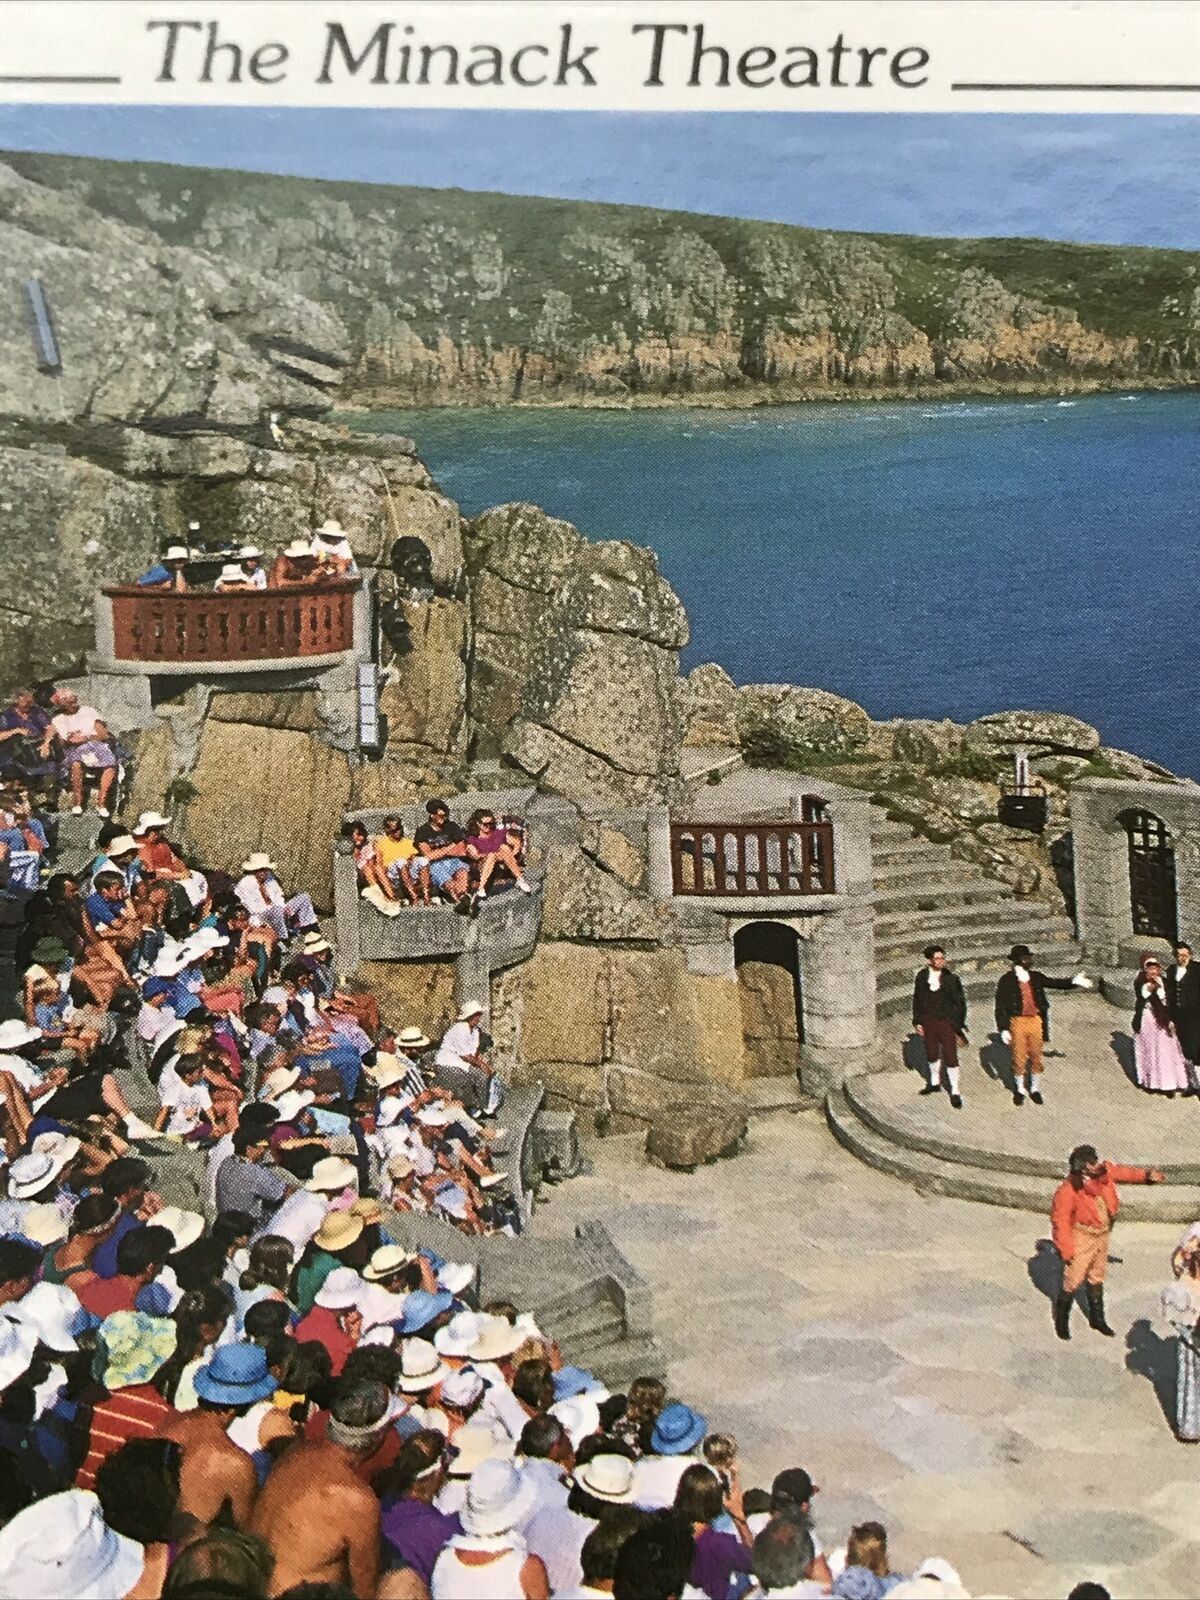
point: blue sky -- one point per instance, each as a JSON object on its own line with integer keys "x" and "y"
{"x": 1128, "y": 179}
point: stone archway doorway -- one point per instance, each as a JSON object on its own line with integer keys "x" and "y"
{"x": 766, "y": 957}
{"x": 1153, "y": 896}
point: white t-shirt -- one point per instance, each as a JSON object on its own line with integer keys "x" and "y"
{"x": 82, "y": 721}
{"x": 188, "y": 1103}
{"x": 19, "y": 1069}
{"x": 255, "y": 896}
{"x": 557, "y": 1535}
{"x": 460, "y": 1040}
{"x": 297, "y": 1219}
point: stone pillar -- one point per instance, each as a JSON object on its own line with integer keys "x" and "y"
{"x": 346, "y": 907}
{"x": 658, "y": 852}
{"x": 106, "y": 639}
{"x": 473, "y": 981}
{"x": 837, "y": 991}
{"x": 1103, "y": 910}
{"x": 853, "y": 864}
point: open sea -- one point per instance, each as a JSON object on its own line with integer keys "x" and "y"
{"x": 938, "y": 559}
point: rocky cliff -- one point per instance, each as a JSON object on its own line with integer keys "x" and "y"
{"x": 453, "y": 298}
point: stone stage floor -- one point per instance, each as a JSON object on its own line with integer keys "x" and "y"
{"x": 900, "y": 1346}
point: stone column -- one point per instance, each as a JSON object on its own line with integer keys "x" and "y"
{"x": 473, "y": 981}
{"x": 346, "y": 907}
{"x": 837, "y": 991}
{"x": 1103, "y": 910}
{"x": 658, "y": 852}
{"x": 853, "y": 864}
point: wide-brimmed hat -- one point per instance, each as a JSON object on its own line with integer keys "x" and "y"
{"x": 49, "y": 950}
{"x": 249, "y": 552}
{"x": 279, "y": 1082}
{"x": 438, "y": 1115}
{"x": 496, "y": 1340}
{"x": 331, "y": 1175}
{"x": 44, "y": 1225}
{"x": 461, "y": 1389}
{"x": 237, "y": 1375}
{"x": 14, "y": 1034}
{"x": 290, "y": 1105}
{"x": 412, "y": 1039}
{"x": 386, "y": 1262}
{"x": 400, "y": 1167}
{"x": 170, "y": 963}
{"x": 63, "y": 1546}
{"x": 475, "y": 1444}
{"x": 62, "y": 1148}
{"x": 18, "y": 1341}
{"x": 460, "y": 1333}
{"x": 421, "y": 1308}
{"x": 570, "y": 1381}
{"x": 341, "y": 1290}
{"x": 331, "y": 528}
{"x": 123, "y": 845}
{"x": 580, "y": 1416}
{"x": 607, "y": 1478}
{"x": 385, "y": 1070}
{"x": 420, "y": 1367}
{"x": 132, "y": 1347}
{"x": 499, "y": 1497}
{"x": 258, "y": 861}
{"x": 148, "y": 820}
{"x": 471, "y": 1009}
{"x": 313, "y": 943}
{"x": 297, "y": 548}
{"x": 338, "y": 1231}
{"x": 185, "y": 1227}
{"x": 456, "y": 1277}
{"x": 55, "y": 1315}
{"x": 28, "y": 1175}
{"x": 678, "y": 1430}
{"x": 177, "y": 552}
{"x": 232, "y": 571}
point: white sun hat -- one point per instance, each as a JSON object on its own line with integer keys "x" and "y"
{"x": 341, "y": 1290}
{"x": 232, "y": 571}
{"x": 54, "y": 1314}
{"x": 331, "y": 1175}
{"x": 420, "y": 1367}
{"x": 149, "y": 819}
{"x": 456, "y": 1276}
{"x": 123, "y": 845}
{"x": 29, "y": 1174}
{"x": 386, "y": 1262}
{"x": 499, "y": 1497}
{"x": 472, "y": 1008}
{"x": 497, "y": 1339}
{"x": 580, "y": 1416}
{"x": 177, "y": 552}
{"x": 258, "y": 861}
{"x": 63, "y": 1546}
{"x": 249, "y": 552}
{"x": 607, "y": 1478}
{"x": 44, "y": 1225}
{"x": 14, "y": 1034}
{"x": 473, "y": 1445}
{"x": 185, "y": 1227}
{"x": 331, "y": 530}
{"x": 62, "y": 1148}
{"x": 462, "y": 1388}
{"x": 297, "y": 547}
{"x": 291, "y": 1104}
{"x": 460, "y": 1333}
{"x": 279, "y": 1082}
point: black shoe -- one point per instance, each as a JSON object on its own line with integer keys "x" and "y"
{"x": 1036, "y": 1098}
{"x": 1062, "y": 1316}
{"x": 1095, "y": 1299}
{"x": 932, "y": 1088}
{"x": 1018, "y": 1099}
{"x": 956, "y": 1101}
{"x": 462, "y": 907}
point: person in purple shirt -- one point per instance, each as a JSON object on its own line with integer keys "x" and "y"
{"x": 413, "y": 1530}
{"x": 718, "y": 1557}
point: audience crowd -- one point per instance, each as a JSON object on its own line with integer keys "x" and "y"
{"x": 276, "y": 1390}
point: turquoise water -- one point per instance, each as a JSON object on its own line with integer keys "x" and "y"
{"x": 943, "y": 559}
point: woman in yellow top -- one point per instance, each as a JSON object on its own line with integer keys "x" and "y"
{"x": 394, "y": 851}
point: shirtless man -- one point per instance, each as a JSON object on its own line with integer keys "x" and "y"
{"x": 215, "y": 1471}
{"x": 319, "y": 1518}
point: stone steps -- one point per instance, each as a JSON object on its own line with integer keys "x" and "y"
{"x": 1004, "y": 910}
{"x": 895, "y": 995}
{"x": 935, "y": 891}
{"x": 969, "y": 957}
{"x": 965, "y": 942}
{"x": 938, "y": 1166}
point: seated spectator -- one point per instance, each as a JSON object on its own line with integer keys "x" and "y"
{"x": 654, "y": 1562}
{"x": 676, "y": 1436}
{"x": 462, "y": 1067}
{"x": 232, "y": 579}
{"x": 397, "y": 854}
{"x": 130, "y": 1348}
{"x": 158, "y": 859}
{"x": 86, "y": 746}
{"x": 243, "y": 1182}
{"x": 250, "y": 562}
{"x": 141, "y": 1256}
{"x": 490, "y": 1555}
{"x": 294, "y": 565}
{"x": 261, "y": 893}
{"x": 785, "y": 1563}
{"x": 223, "y": 1561}
{"x": 866, "y": 1559}
{"x": 489, "y": 847}
{"x": 23, "y": 845}
{"x": 414, "y": 1532}
{"x": 598, "y": 1558}
{"x": 373, "y": 880}
{"x": 718, "y": 1556}
{"x": 332, "y": 549}
{"x": 62, "y": 1546}
{"x": 138, "y": 1487}
{"x": 441, "y": 859}
{"x": 186, "y": 1107}
{"x": 168, "y": 572}
{"x": 26, "y": 740}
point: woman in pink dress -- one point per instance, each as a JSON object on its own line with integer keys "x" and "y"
{"x": 1161, "y": 1066}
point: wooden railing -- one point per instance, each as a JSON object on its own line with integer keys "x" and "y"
{"x": 752, "y": 858}
{"x": 153, "y": 626}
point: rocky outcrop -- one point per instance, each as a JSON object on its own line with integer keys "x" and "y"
{"x": 461, "y": 299}
{"x": 575, "y": 658}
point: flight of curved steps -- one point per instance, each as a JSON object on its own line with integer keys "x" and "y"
{"x": 924, "y": 893}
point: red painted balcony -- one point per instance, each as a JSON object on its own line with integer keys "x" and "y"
{"x": 157, "y": 628}
{"x": 753, "y": 859}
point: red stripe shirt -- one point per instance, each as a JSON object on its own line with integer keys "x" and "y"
{"x": 133, "y": 1413}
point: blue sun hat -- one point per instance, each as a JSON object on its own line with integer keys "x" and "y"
{"x": 572, "y": 1381}
{"x": 237, "y": 1375}
{"x": 678, "y": 1430}
{"x": 421, "y": 1308}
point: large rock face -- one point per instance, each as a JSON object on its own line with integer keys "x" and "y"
{"x": 452, "y": 298}
{"x": 575, "y": 659}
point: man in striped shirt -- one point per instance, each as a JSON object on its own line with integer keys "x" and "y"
{"x": 130, "y": 1348}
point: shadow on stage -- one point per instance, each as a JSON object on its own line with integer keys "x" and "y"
{"x": 1153, "y": 1356}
